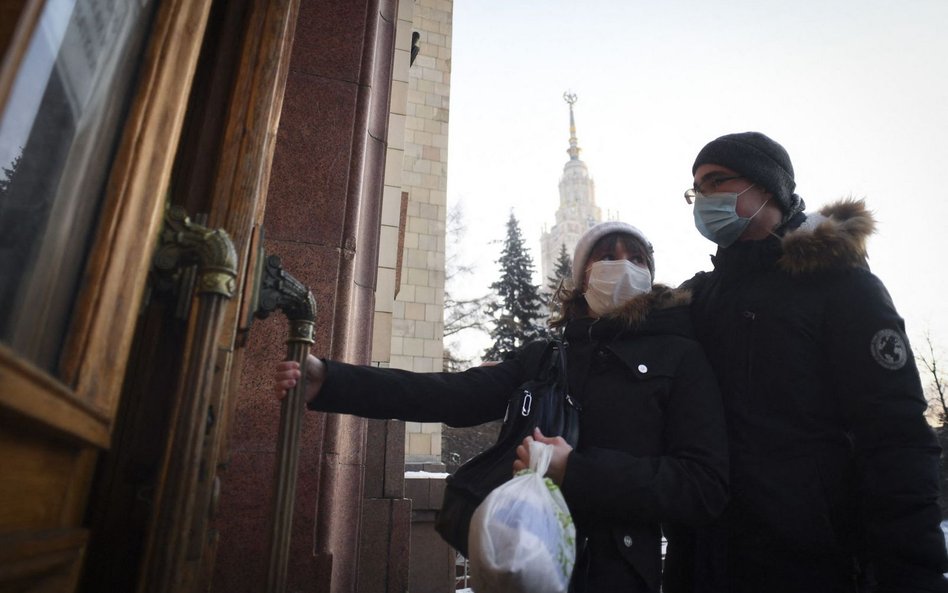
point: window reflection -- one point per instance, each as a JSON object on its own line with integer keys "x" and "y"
{"x": 58, "y": 132}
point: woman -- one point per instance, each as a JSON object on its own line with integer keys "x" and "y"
{"x": 652, "y": 440}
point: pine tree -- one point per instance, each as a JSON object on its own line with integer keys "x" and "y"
{"x": 7, "y": 173}
{"x": 516, "y": 311}
{"x": 562, "y": 269}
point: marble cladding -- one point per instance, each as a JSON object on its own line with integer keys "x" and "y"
{"x": 321, "y": 212}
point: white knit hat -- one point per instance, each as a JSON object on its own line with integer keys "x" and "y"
{"x": 588, "y": 240}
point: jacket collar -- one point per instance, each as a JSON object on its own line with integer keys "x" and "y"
{"x": 831, "y": 239}
{"x": 637, "y": 310}
{"x": 649, "y": 312}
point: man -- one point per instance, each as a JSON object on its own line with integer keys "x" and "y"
{"x": 834, "y": 471}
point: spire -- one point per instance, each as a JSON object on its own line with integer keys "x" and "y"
{"x": 571, "y": 98}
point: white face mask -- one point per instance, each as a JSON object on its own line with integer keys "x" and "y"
{"x": 613, "y": 282}
{"x": 717, "y": 219}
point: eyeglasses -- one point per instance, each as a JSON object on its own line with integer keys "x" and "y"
{"x": 708, "y": 186}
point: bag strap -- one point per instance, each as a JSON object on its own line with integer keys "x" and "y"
{"x": 550, "y": 361}
{"x": 559, "y": 367}
{"x": 552, "y": 364}
{"x": 558, "y": 362}
{"x": 536, "y": 359}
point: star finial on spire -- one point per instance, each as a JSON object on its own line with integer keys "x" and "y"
{"x": 574, "y": 150}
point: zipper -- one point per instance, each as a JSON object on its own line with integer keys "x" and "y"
{"x": 582, "y": 556}
{"x": 750, "y": 319}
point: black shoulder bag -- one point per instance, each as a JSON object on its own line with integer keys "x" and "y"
{"x": 543, "y": 402}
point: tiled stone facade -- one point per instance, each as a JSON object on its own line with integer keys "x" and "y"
{"x": 409, "y": 316}
{"x": 392, "y": 201}
{"x": 418, "y": 315}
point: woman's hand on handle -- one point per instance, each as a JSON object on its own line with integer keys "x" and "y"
{"x": 288, "y": 374}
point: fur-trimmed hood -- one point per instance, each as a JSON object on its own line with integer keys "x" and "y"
{"x": 834, "y": 238}
{"x": 662, "y": 311}
{"x": 637, "y": 309}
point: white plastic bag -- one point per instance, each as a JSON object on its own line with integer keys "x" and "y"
{"x": 522, "y": 538}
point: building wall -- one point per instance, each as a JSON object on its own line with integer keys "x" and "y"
{"x": 418, "y": 311}
{"x": 409, "y": 303}
{"x": 336, "y": 215}
{"x": 392, "y": 203}
{"x": 408, "y": 325}
{"x": 322, "y": 218}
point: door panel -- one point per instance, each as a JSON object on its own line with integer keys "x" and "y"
{"x": 32, "y": 393}
{"x": 42, "y": 480}
{"x": 91, "y": 378}
{"x": 169, "y": 438}
{"x": 86, "y": 146}
{"x": 58, "y": 129}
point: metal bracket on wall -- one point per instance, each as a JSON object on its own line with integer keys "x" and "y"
{"x": 279, "y": 290}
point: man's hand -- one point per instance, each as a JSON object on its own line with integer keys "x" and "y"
{"x": 288, "y": 373}
{"x": 561, "y": 451}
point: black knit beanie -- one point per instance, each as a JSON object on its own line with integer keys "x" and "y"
{"x": 759, "y": 159}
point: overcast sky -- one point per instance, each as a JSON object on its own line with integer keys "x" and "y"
{"x": 855, "y": 90}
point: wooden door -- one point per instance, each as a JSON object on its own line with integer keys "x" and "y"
{"x": 106, "y": 382}
{"x": 93, "y": 94}
{"x": 154, "y": 501}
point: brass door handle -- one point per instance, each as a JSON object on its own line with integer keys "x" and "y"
{"x": 280, "y": 290}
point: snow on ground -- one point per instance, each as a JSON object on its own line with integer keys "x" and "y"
{"x": 422, "y": 475}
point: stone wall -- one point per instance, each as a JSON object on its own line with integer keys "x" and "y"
{"x": 418, "y": 310}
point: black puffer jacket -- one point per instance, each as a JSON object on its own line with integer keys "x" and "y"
{"x": 833, "y": 465}
{"x": 652, "y": 438}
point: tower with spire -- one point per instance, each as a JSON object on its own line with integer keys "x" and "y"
{"x": 577, "y": 211}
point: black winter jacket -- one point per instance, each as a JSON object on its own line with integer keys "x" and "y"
{"x": 652, "y": 438}
{"x": 833, "y": 466}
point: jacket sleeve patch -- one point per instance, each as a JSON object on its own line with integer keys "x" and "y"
{"x": 889, "y": 349}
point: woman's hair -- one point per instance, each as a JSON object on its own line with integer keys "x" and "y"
{"x": 568, "y": 303}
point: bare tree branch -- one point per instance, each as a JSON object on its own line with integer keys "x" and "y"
{"x": 937, "y": 386}
{"x": 460, "y": 314}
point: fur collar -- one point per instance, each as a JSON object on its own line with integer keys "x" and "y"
{"x": 635, "y": 312}
{"x": 832, "y": 239}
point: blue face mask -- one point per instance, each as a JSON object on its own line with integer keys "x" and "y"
{"x": 717, "y": 219}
